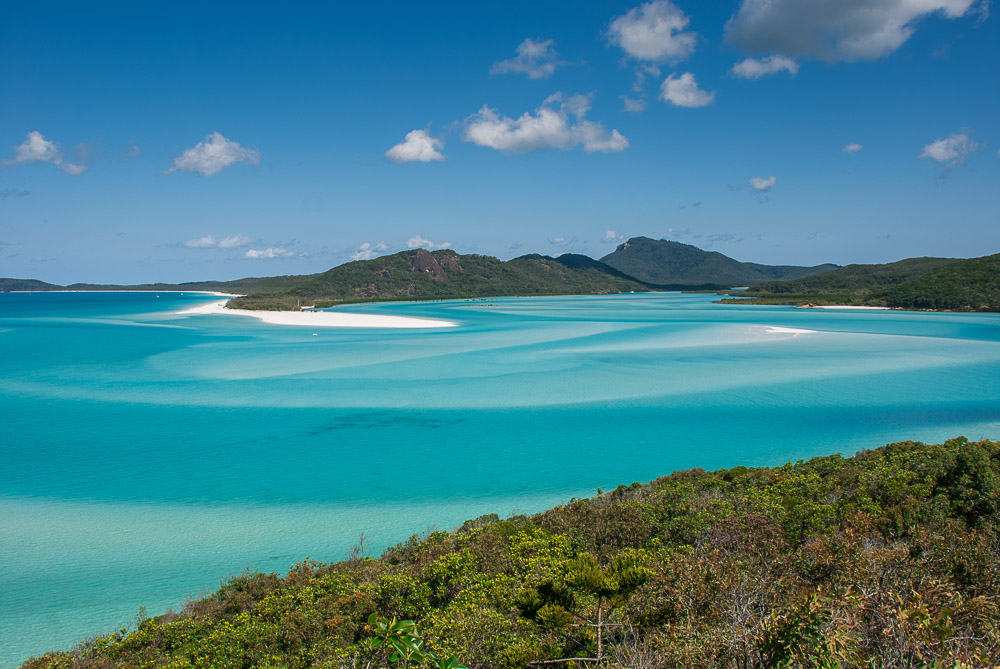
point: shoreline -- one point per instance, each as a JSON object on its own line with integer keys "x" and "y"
{"x": 844, "y": 306}
{"x": 180, "y": 292}
{"x": 321, "y": 319}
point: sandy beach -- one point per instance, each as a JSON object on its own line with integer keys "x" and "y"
{"x": 320, "y": 319}
{"x": 847, "y": 306}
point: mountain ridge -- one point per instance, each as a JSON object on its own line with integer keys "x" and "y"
{"x": 660, "y": 261}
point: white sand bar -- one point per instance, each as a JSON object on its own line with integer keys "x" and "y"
{"x": 776, "y": 329}
{"x": 321, "y": 319}
{"x": 846, "y": 306}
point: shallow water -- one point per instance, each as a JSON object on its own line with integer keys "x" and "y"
{"x": 147, "y": 455}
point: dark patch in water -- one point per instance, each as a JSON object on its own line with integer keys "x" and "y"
{"x": 361, "y": 421}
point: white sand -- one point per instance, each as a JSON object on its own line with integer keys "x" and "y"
{"x": 321, "y": 319}
{"x": 775, "y": 329}
{"x": 846, "y": 306}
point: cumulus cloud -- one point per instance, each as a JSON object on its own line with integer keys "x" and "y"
{"x": 550, "y": 127}
{"x": 268, "y": 253}
{"x": 224, "y": 243}
{"x": 367, "y": 251}
{"x": 833, "y": 30}
{"x": 683, "y": 91}
{"x": 214, "y": 155}
{"x": 755, "y": 68}
{"x": 37, "y": 149}
{"x": 852, "y": 148}
{"x": 417, "y": 147}
{"x": 612, "y": 237}
{"x": 562, "y": 241}
{"x": 536, "y": 59}
{"x": 654, "y": 31}
{"x": 761, "y": 184}
{"x": 951, "y": 150}
{"x": 416, "y": 242}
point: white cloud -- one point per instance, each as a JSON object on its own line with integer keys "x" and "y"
{"x": 234, "y": 242}
{"x": 214, "y": 155}
{"x": 206, "y": 242}
{"x": 852, "y": 148}
{"x": 755, "y": 68}
{"x": 833, "y": 30}
{"x": 224, "y": 243}
{"x": 268, "y": 253}
{"x": 951, "y": 150}
{"x": 612, "y": 237}
{"x": 536, "y": 59}
{"x": 634, "y": 104}
{"x": 655, "y": 32}
{"x": 561, "y": 241}
{"x": 550, "y": 127}
{"x": 683, "y": 91}
{"x": 761, "y": 184}
{"x": 417, "y": 242}
{"x": 418, "y": 146}
{"x": 367, "y": 251}
{"x": 37, "y": 149}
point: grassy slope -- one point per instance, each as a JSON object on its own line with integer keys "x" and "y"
{"x": 890, "y": 559}
{"x": 665, "y": 262}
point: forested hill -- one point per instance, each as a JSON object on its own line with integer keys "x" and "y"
{"x": 890, "y": 558}
{"x": 10, "y": 285}
{"x": 421, "y": 274}
{"x": 914, "y": 283}
{"x": 659, "y": 261}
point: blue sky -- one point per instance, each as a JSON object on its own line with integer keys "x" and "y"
{"x": 211, "y": 141}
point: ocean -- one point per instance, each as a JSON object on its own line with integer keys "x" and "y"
{"x": 147, "y": 455}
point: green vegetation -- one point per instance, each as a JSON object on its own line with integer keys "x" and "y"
{"x": 890, "y": 558}
{"x": 420, "y": 274}
{"x": 661, "y": 262}
{"x": 915, "y": 283}
{"x": 11, "y": 285}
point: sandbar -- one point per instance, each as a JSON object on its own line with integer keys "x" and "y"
{"x": 845, "y": 306}
{"x": 321, "y": 319}
{"x": 776, "y": 329}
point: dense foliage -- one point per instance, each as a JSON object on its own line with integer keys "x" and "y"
{"x": 890, "y": 558}
{"x": 420, "y": 274}
{"x": 662, "y": 262}
{"x": 915, "y": 283}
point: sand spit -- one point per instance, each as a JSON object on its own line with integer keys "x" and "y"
{"x": 320, "y": 319}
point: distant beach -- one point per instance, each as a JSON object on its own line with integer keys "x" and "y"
{"x": 321, "y": 319}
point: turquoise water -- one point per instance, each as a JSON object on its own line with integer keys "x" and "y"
{"x": 147, "y": 455}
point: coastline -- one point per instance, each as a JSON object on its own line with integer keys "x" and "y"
{"x": 321, "y": 319}
{"x": 180, "y": 292}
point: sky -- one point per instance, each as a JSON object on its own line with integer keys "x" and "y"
{"x": 144, "y": 142}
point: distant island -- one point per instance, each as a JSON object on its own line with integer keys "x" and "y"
{"x": 887, "y": 559}
{"x": 639, "y": 264}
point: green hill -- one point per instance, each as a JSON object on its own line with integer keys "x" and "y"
{"x": 914, "y": 283}
{"x": 886, "y": 559}
{"x": 972, "y": 285}
{"x": 421, "y": 274}
{"x": 11, "y": 285}
{"x": 664, "y": 262}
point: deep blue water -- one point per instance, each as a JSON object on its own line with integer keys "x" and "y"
{"x": 146, "y": 455}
